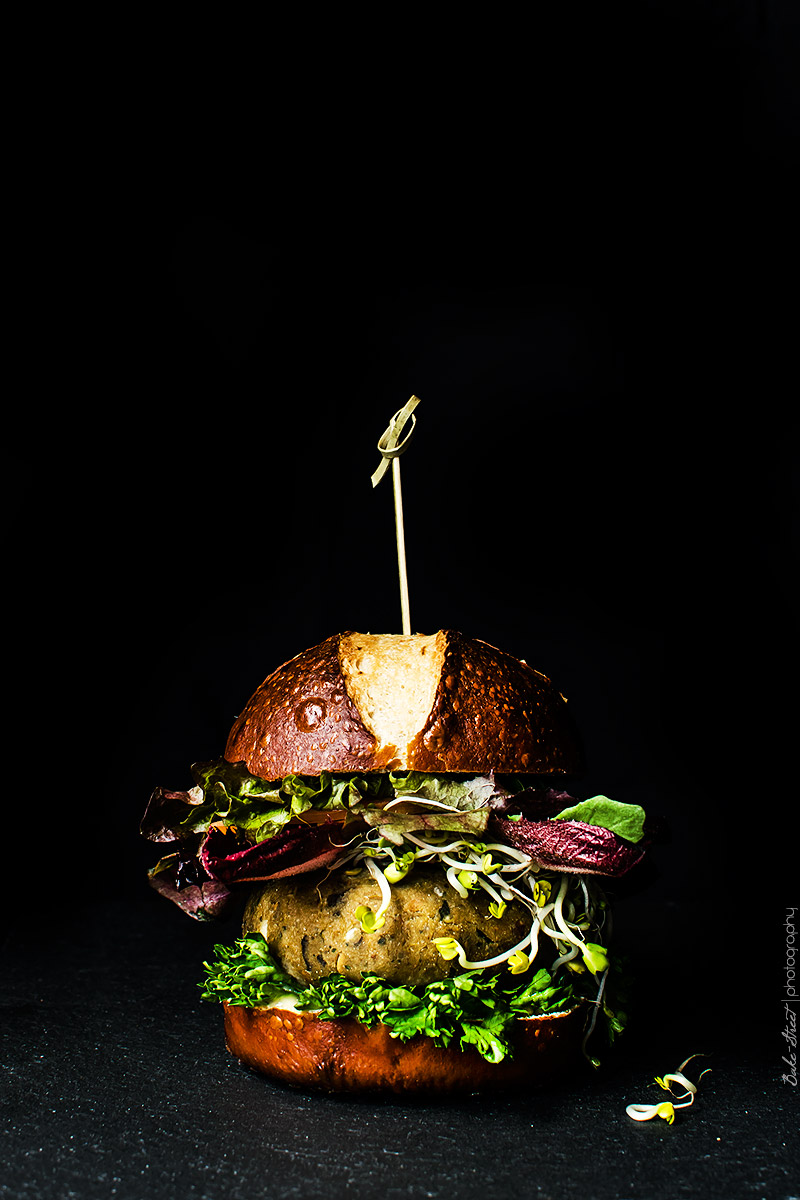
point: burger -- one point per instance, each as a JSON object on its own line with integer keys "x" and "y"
{"x": 421, "y": 897}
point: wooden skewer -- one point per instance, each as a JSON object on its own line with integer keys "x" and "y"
{"x": 391, "y": 447}
{"x": 405, "y": 607}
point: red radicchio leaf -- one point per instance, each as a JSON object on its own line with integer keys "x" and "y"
{"x": 535, "y": 803}
{"x": 294, "y": 850}
{"x": 571, "y": 846}
{"x": 206, "y": 900}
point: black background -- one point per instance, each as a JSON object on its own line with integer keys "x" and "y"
{"x": 596, "y": 303}
{"x": 588, "y": 275}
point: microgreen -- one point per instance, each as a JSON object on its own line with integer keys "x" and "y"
{"x": 448, "y": 947}
{"x": 399, "y": 867}
{"x": 368, "y": 920}
{"x": 595, "y": 957}
{"x": 518, "y": 962}
{"x": 666, "y": 1108}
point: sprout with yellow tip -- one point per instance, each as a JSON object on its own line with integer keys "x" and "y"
{"x": 368, "y": 920}
{"x": 448, "y": 947}
{"x": 595, "y": 957}
{"x": 666, "y": 1109}
{"x": 518, "y": 963}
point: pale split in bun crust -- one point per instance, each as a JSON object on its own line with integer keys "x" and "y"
{"x": 302, "y": 1050}
{"x": 439, "y": 703}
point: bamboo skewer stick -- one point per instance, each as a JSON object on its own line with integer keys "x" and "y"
{"x": 391, "y": 447}
{"x": 405, "y": 607}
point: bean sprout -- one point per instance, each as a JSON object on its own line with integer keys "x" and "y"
{"x": 487, "y": 962}
{"x": 504, "y": 874}
{"x": 666, "y": 1109}
{"x": 382, "y": 882}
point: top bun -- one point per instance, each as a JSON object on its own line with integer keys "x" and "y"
{"x": 438, "y": 703}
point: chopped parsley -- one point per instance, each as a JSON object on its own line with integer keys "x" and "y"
{"x": 474, "y": 1008}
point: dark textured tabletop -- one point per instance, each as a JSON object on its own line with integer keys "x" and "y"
{"x": 117, "y": 1082}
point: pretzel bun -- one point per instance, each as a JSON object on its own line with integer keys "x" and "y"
{"x": 437, "y": 703}
{"x": 304, "y": 1051}
{"x": 361, "y": 703}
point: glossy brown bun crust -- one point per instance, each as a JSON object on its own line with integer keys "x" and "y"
{"x": 434, "y": 703}
{"x": 299, "y": 1049}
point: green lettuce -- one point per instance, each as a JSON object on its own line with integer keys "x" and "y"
{"x": 625, "y": 820}
{"x": 467, "y": 802}
{"x": 474, "y": 1008}
{"x": 455, "y": 792}
{"x": 227, "y": 794}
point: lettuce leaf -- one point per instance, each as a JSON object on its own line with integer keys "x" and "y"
{"x": 467, "y": 808}
{"x": 474, "y": 1007}
{"x": 463, "y": 794}
{"x": 227, "y": 794}
{"x": 626, "y": 820}
{"x": 223, "y": 794}
{"x": 393, "y": 823}
{"x": 232, "y": 827}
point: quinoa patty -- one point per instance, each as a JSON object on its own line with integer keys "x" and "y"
{"x": 310, "y": 924}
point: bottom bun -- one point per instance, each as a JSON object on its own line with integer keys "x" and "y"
{"x": 300, "y": 1049}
